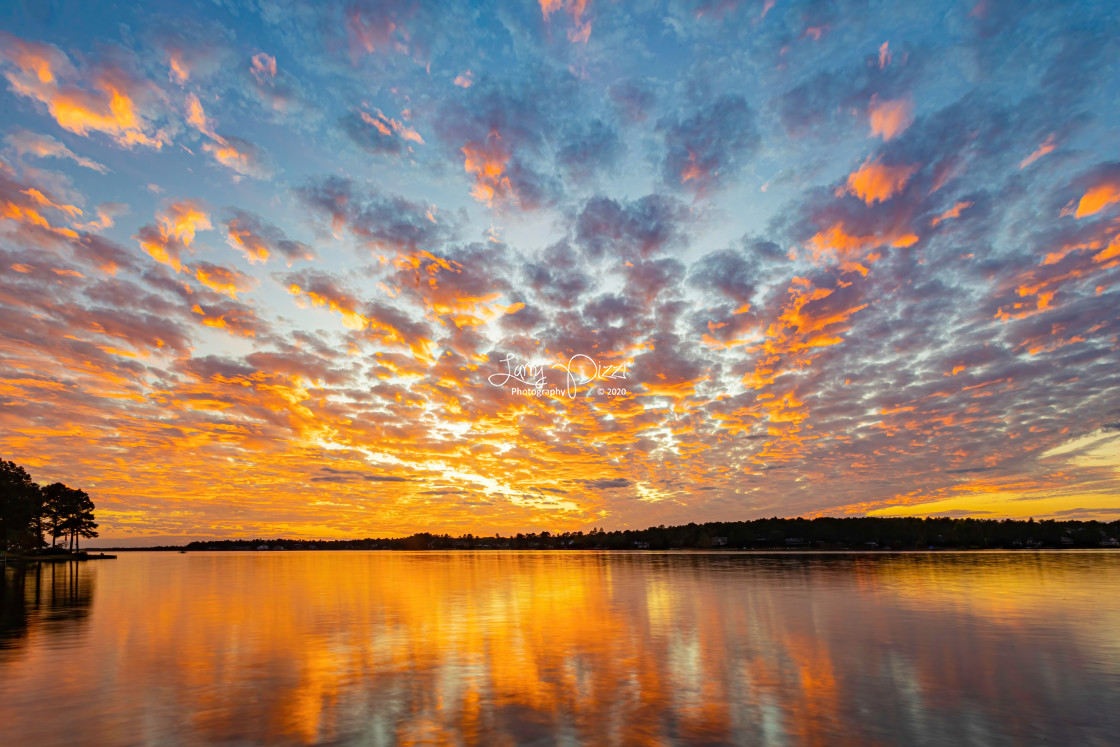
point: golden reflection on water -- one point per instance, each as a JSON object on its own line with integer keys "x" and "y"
{"x": 505, "y": 648}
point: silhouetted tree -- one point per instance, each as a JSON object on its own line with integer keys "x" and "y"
{"x": 77, "y": 517}
{"x": 55, "y": 498}
{"x": 21, "y": 506}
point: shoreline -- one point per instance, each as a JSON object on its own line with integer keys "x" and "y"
{"x": 633, "y": 551}
{"x": 13, "y": 559}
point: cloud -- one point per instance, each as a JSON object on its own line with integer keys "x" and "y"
{"x": 580, "y": 29}
{"x": 1084, "y": 514}
{"x": 634, "y": 99}
{"x": 889, "y": 119}
{"x": 323, "y": 290}
{"x": 27, "y": 143}
{"x": 231, "y": 316}
{"x": 378, "y": 219}
{"x": 258, "y": 239}
{"x": 828, "y": 101}
{"x": 1045, "y": 148}
{"x": 389, "y": 325}
{"x": 946, "y": 307}
{"x": 223, "y": 279}
{"x": 605, "y": 483}
{"x": 376, "y": 133}
{"x": 280, "y": 91}
{"x": 643, "y": 227}
{"x": 330, "y": 474}
{"x": 587, "y": 150}
{"x": 876, "y": 182}
{"x": 108, "y": 98}
{"x": 379, "y": 28}
{"x": 504, "y": 134}
{"x": 196, "y": 117}
{"x": 31, "y": 211}
{"x": 1102, "y": 190}
{"x": 556, "y": 276}
{"x": 173, "y": 231}
{"x": 709, "y": 146}
{"x": 734, "y": 274}
{"x": 241, "y": 156}
{"x": 263, "y": 66}
{"x": 194, "y": 50}
{"x": 488, "y": 163}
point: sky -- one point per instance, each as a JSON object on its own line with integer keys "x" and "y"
{"x": 303, "y": 269}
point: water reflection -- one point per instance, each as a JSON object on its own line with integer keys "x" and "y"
{"x": 566, "y": 648}
{"x": 51, "y": 600}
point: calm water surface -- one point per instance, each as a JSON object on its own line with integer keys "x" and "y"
{"x": 505, "y": 648}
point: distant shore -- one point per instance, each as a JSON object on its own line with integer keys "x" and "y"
{"x": 855, "y": 534}
{"x": 711, "y": 550}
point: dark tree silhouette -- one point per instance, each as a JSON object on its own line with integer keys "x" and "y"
{"x": 54, "y": 503}
{"x": 77, "y": 516}
{"x": 26, "y": 511}
{"x": 21, "y": 508}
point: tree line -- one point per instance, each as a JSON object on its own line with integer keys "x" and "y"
{"x": 823, "y": 533}
{"x": 29, "y": 511}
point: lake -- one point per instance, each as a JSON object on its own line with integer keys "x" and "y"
{"x": 542, "y": 648}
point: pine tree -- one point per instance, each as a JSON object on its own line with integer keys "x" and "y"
{"x": 21, "y": 506}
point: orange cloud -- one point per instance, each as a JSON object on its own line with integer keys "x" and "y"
{"x": 953, "y": 212}
{"x": 174, "y": 231}
{"x": 581, "y": 28}
{"x": 344, "y": 305}
{"x": 465, "y": 80}
{"x": 1069, "y": 264}
{"x": 873, "y": 182}
{"x": 107, "y": 213}
{"x": 366, "y": 35}
{"x": 41, "y": 199}
{"x": 239, "y": 155}
{"x": 1098, "y": 197}
{"x": 258, "y": 240}
{"x": 889, "y": 119}
{"x": 236, "y": 154}
{"x": 179, "y": 68}
{"x": 837, "y": 240}
{"x": 389, "y": 127}
{"x": 197, "y": 118}
{"x": 237, "y": 321}
{"x": 884, "y": 55}
{"x": 223, "y": 279}
{"x": 106, "y": 99}
{"x": 487, "y": 163}
{"x": 182, "y": 219}
{"x": 264, "y": 66}
{"x": 1047, "y": 147}
{"x": 693, "y": 170}
{"x": 29, "y": 206}
{"x": 254, "y": 247}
